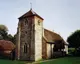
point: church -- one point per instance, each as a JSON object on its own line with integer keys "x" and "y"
{"x": 34, "y": 42}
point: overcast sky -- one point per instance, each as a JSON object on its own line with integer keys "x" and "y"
{"x": 61, "y": 16}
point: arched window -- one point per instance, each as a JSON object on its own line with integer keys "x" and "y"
{"x": 25, "y": 48}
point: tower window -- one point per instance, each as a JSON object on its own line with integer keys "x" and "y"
{"x": 38, "y": 22}
{"x": 26, "y": 32}
{"x": 25, "y": 48}
{"x": 26, "y": 21}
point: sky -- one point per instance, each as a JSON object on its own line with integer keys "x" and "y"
{"x": 60, "y": 16}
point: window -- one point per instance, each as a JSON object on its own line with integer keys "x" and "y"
{"x": 26, "y": 21}
{"x": 26, "y": 32}
{"x": 25, "y": 48}
{"x": 38, "y": 22}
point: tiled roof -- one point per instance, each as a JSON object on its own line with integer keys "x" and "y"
{"x": 30, "y": 13}
{"x": 6, "y": 45}
{"x": 50, "y": 36}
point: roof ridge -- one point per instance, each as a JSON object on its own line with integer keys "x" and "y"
{"x": 51, "y": 31}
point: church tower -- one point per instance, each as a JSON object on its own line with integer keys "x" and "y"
{"x": 29, "y": 37}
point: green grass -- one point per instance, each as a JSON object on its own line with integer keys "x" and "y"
{"x": 66, "y": 60}
{"x": 3, "y": 61}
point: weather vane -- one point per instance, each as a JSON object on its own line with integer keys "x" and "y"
{"x": 31, "y": 5}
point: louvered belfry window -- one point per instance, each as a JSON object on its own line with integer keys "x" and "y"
{"x": 26, "y": 21}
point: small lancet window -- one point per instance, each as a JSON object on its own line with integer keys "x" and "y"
{"x": 26, "y": 21}
{"x": 38, "y": 22}
{"x": 25, "y": 48}
{"x": 26, "y": 32}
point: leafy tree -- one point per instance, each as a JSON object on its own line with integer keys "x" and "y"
{"x": 3, "y": 32}
{"x": 3, "y": 27}
{"x": 11, "y": 38}
{"x": 1, "y": 37}
{"x": 14, "y": 39}
{"x": 74, "y": 39}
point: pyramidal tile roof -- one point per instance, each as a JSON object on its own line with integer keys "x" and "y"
{"x": 30, "y": 13}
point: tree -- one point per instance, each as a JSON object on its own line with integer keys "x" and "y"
{"x": 3, "y": 32}
{"x": 11, "y": 38}
{"x": 14, "y": 39}
{"x": 3, "y": 27}
{"x": 74, "y": 39}
{"x": 1, "y": 37}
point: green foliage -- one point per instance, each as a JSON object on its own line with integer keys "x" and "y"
{"x": 65, "y": 60}
{"x": 71, "y": 51}
{"x": 3, "y": 27}
{"x": 10, "y": 37}
{"x": 6, "y": 61}
{"x": 1, "y": 37}
{"x": 14, "y": 39}
{"x": 4, "y": 34}
{"x": 74, "y": 39}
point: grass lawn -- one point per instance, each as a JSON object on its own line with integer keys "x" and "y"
{"x": 3, "y": 61}
{"x": 65, "y": 60}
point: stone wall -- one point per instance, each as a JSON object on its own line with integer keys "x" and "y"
{"x": 18, "y": 42}
{"x": 30, "y": 33}
{"x": 38, "y": 38}
{"x": 44, "y": 49}
{"x": 49, "y": 50}
{"x": 66, "y": 49}
{"x": 25, "y": 35}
